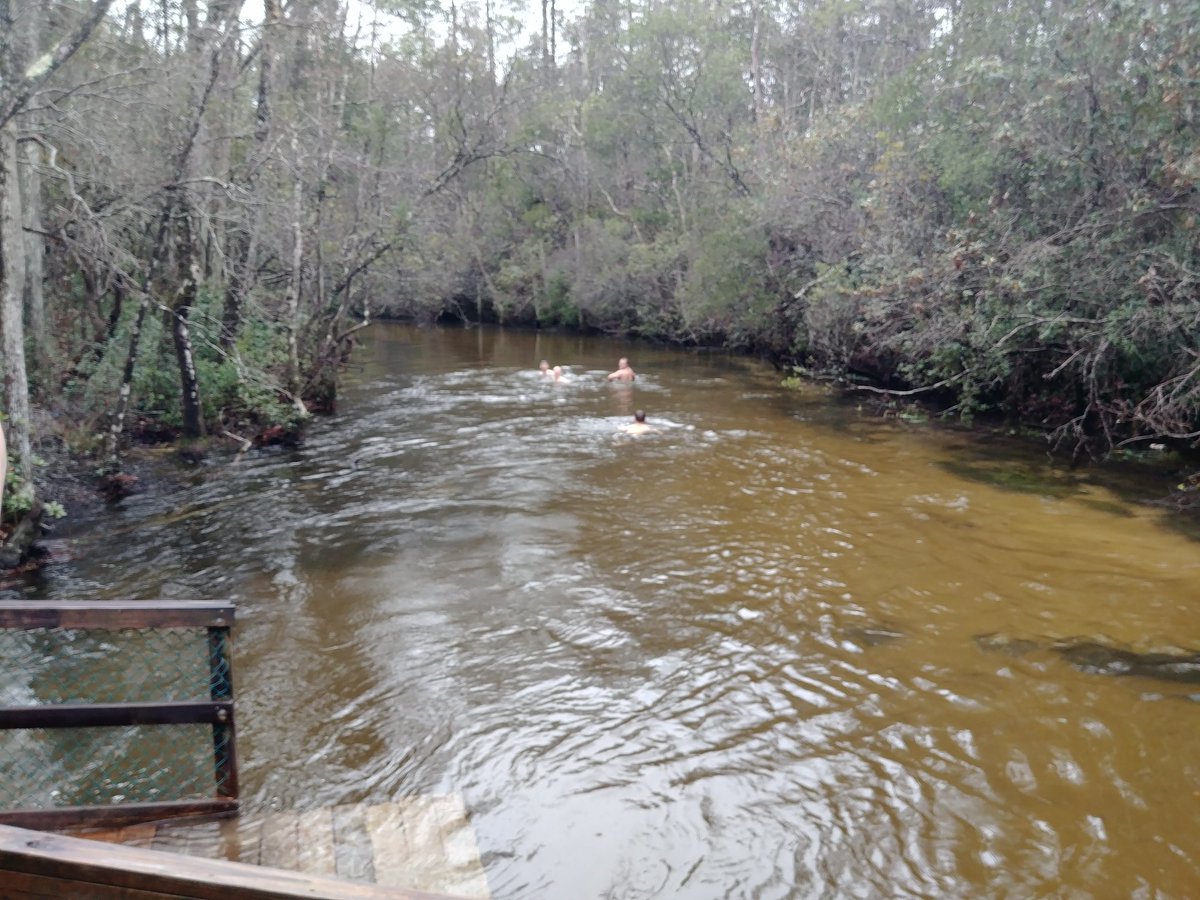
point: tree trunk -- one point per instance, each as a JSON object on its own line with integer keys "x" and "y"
{"x": 12, "y": 289}
{"x": 176, "y": 203}
{"x": 117, "y": 426}
{"x": 756, "y": 82}
{"x": 13, "y": 56}
{"x": 293, "y": 290}
{"x": 242, "y": 271}
{"x": 31, "y": 202}
{"x": 17, "y": 85}
{"x": 35, "y": 254}
{"x": 206, "y": 43}
{"x": 193, "y": 418}
{"x": 489, "y": 18}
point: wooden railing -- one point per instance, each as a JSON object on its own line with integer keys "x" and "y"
{"x": 37, "y": 865}
{"x": 196, "y": 663}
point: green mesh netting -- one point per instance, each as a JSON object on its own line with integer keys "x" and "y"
{"x": 58, "y": 665}
{"x": 43, "y": 768}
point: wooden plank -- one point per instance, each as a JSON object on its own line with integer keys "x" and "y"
{"x": 426, "y": 843}
{"x": 279, "y": 847}
{"x": 117, "y": 815}
{"x": 389, "y": 841}
{"x": 241, "y": 841}
{"x": 314, "y": 835}
{"x": 462, "y": 850}
{"x": 202, "y": 839}
{"x": 352, "y": 843}
{"x": 131, "y": 835}
{"x": 107, "y": 715}
{"x": 23, "y": 886}
{"x": 170, "y": 838}
{"x": 111, "y": 615}
{"x": 27, "y": 856}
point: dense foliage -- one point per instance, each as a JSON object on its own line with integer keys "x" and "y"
{"x": 993, "y": 204}
{"x": 997, "y": 204}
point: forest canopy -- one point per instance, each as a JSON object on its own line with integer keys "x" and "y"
{"x": 991, "y": 204}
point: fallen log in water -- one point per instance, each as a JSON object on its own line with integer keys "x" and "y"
{"x": 1101, "y": 658}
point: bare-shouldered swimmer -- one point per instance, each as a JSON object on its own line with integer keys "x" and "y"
{"x": 638, "y": 425}
{"x": 623, "y": 373}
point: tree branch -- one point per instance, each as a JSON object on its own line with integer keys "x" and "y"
{"x": 12, "y": 101}
{"x": 946, "y": 382}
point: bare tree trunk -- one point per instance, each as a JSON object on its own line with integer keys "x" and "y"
{"x": 241, "y": 281}
{"x": 185, "y": 301}
{"x": 17, "y": 85}
{"x": 293, "y": 290}
{"x": 164, "y": 27}
{"x": 35, "y": 254}
{"x": 175, "y": 202}
{"x": 31, "y": 202}
{"x": 338, "y": 105}
{"x": 193, "y": 213}
{"x": 117, "y": 426}
{"x": 242, "y": 270}
{"x": 191, "y": 16}
{"x": 12, "y": 289}
{"x": 14, "y": 54}
{"x": 489, "y": 18}
{"x": 756, "y": 82}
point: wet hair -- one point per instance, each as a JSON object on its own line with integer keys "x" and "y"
{"x": 640, "y": 416}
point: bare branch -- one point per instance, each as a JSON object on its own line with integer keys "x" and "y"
{"x": 12, "y": 101}
{"x": 945, "y": 382}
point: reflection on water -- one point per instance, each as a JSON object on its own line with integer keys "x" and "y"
{"x": 747, "y": 655}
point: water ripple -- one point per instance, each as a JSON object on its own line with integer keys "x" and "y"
{"x": 738, "y": 658}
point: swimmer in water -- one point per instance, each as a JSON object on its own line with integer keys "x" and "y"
{"x": 623, "y": 373}
{"x": 638, "y": 425}
{"x": 544, "y": 368}
{"x": 559, "y": 374}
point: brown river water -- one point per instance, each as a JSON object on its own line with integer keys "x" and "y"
{"x": 779, "y": 648}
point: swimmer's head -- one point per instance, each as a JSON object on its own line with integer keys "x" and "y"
{"x": 558, "y": 370}
{"x": 639, "y": 416}
{"x": 544, "y": 365}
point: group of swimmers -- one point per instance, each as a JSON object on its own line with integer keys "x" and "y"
{"x": 624, "y": 372}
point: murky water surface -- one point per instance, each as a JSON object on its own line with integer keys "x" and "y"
{"x": 779, "y": 648}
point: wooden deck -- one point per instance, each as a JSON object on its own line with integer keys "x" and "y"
{"x": 418, "y": 843}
